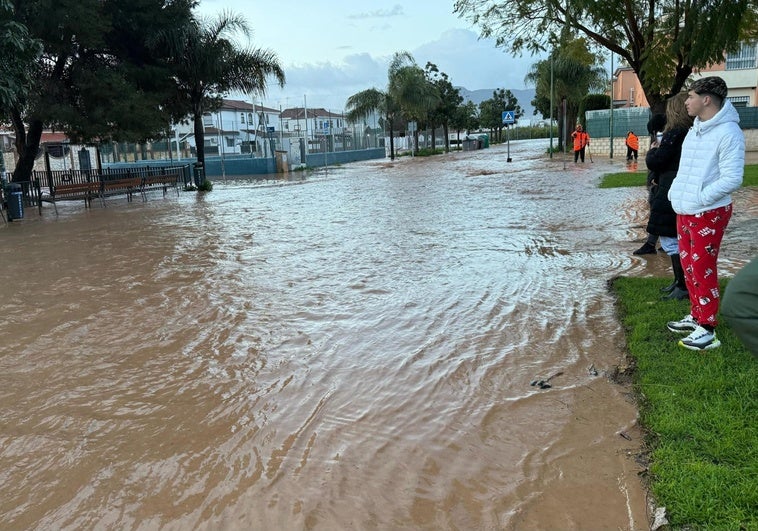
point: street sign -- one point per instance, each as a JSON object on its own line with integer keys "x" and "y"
{"x": 509, "y": 117}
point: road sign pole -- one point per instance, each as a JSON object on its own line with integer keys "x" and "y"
{"x": 509, "y": 118}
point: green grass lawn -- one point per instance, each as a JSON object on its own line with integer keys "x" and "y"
{"x": 699, "y": 410}
{"x": 700, "y": 413}
{"x": 639, "y": 178}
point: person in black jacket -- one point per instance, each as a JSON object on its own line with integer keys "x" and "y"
{"x": 654, "y": 126}
{"x": 663, "y": 160}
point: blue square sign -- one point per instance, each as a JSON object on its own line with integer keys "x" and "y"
{"x": 509, "y": 117}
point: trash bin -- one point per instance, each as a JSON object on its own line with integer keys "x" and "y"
{"x": 15, "y": 200}
{"x": 470, "y": 144}
{"x": 484, "y": 141}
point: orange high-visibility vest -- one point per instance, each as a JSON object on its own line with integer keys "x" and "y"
{"x": 580, "y": 139}
{"x": 632, "y": 141}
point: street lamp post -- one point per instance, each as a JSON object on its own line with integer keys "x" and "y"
{"x": 610, "y": 132}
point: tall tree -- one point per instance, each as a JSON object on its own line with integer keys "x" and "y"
{"x": 491, "y": 110}
{"x": 98, "y": 76}
{"x": 449, "y": 100}
{"x": 465, "y": 118}
{"x": 575, "y": 72}
{"x": 385, "y": 102}
{"x": 662, "y": 40}
{"x": 415, "y": 96}
{"x": 209, "y": 64}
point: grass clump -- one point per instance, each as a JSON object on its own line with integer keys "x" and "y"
{"x": 699, "y": 410}
{"x": 639, "y": 178}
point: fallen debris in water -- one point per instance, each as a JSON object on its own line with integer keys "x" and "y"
{"x": 545, "y": 384}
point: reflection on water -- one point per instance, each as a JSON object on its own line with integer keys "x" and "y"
{"x": 350, "y": 350}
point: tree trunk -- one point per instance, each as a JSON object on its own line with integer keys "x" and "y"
{"x": 392, "y": 139}
{"x": 27, "y": 145}
{"x": 199, "y": 136}
{"x": 446, "y": 132}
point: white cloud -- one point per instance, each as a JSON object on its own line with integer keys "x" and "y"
{"x": 332, "y": 49}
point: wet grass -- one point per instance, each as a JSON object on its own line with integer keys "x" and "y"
{"x": 699, "y": 410}
{"x": 639, "y": 178}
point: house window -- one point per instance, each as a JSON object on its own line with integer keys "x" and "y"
{"x": 242, "y": 117}
{"x": 207, "y": 120}
{"x": 745, "y": 57}
{"x": 229, "y": 142}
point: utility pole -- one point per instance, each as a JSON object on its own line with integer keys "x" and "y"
{"x": 552, "y": 53}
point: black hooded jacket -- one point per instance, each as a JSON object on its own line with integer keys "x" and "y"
{"x": 663, "y": 162}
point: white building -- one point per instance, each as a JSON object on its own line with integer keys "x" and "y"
{"x": 236, "y": 128}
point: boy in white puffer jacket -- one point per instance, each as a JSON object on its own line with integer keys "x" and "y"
{"x": 710, "y": 169}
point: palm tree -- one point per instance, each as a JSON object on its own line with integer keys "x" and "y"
{"x": 415, "y": 94}
{"x": 575, "y": 74}
{"x": 208, "y": 65}
{"x": 387, "y": 103}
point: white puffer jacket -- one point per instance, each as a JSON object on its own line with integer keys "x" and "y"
{"x": 712, "y": 164}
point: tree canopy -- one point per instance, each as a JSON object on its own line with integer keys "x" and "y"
{"x": 449, "y": 100}
{"x": 18, "y": 52}
{"x": 491, "y": 110}
{"x": 664, "y": 41}
{"x": 99, "y": 73}
{"x": 207, "y": 64}
{"x": 399, "y": 100}
{"x": 575, "y": 72}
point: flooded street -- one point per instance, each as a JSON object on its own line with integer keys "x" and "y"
{"x": 351, "y": 350}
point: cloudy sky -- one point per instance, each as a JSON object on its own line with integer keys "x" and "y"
{"x": 331, "y": 49}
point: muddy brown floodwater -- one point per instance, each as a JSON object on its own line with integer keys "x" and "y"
{"x": 350, "y": 350}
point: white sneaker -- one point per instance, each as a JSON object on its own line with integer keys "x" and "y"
{"x": 685, "y": 325}
{"x": 700, "y": 339}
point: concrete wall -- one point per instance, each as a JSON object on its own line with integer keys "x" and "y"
{"x": 343, "y": 157}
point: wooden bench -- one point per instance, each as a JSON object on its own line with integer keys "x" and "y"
{"x": 126, "y": 185}
{"x": 70, "y": 190}
{"x": 162, "y": 181}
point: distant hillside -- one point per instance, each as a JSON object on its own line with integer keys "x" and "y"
{"x": 524, "y": 98}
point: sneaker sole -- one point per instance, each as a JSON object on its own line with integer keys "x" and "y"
{"x": 681, "y": 330}
{"x": 713, "y": 344}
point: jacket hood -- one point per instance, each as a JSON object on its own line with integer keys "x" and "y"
{"x": 727, "y": 114}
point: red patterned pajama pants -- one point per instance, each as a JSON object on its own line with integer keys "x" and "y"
{"x": 699, "y": 241}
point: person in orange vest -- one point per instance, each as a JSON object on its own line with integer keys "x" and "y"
{"x": 581, "y": 141}
{"x": 632, "y": 145}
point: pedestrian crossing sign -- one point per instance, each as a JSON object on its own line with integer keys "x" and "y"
{"x": 509, "y": 117}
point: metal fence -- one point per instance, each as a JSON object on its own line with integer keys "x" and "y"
{"x": 636, "y": 118}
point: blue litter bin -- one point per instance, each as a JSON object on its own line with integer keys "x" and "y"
{"x": 15, "y": 200}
